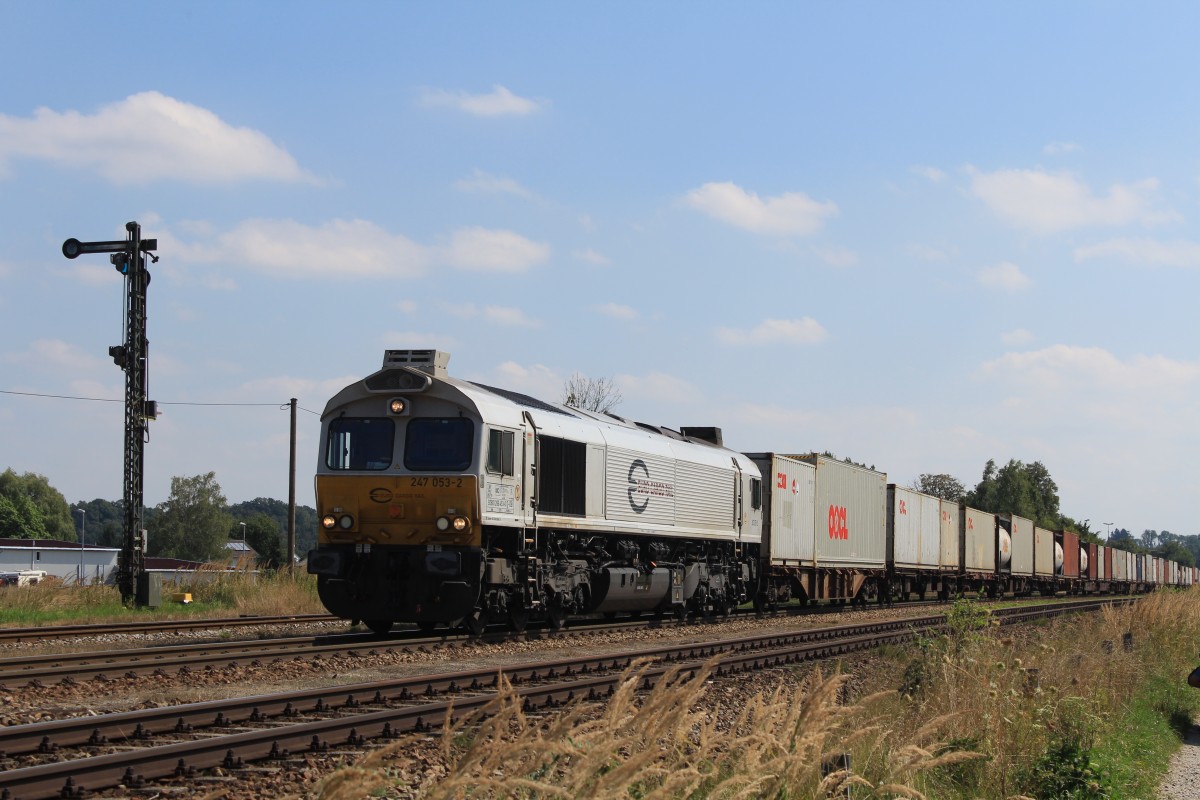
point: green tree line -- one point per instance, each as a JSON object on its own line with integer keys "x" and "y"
{"x": 194, "y": 523}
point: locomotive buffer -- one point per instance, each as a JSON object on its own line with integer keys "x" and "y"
{"x": 129, "y": 258}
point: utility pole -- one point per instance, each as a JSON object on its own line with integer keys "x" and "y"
{"x": 291, "y": 531}
{"x": 132, "y": 356}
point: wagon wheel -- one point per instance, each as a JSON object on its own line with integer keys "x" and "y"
{"x": 379, "y": 626}
{"x": 556, "y": 616}
{"x": 476, "y": 622}
{"x": 518, "y": 617}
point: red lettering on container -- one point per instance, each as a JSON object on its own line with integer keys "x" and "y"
{"x": 837, "y": 523}
{"x": 780, "y": 480}
{"x": 903, "y": 509}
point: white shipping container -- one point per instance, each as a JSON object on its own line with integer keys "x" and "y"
{"x": 914, "y": 528}
{"x": 1021, "y": 531}
{"x": 979, "y": 540}
{"x": 1120, "y": 566}
{"x": 850, "y": 519}
{"x": 951, "y": 551}
{"x": 790, "y": 508}
{"x": 1043, "y": 552}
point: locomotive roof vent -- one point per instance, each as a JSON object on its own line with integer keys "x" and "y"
{"x": 432, "y": 362}
{"x": 710, "y": 435}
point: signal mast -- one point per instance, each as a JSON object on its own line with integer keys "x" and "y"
{"x": 129, "y": 258}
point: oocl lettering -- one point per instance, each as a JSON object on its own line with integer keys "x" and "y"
{"x": 837, "y": 523}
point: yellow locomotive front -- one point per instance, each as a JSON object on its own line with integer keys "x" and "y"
{"x": 397, "y": 492}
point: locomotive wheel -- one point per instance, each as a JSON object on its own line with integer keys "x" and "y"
{"x": 556, "y": 617}
{"x": 476, "y": 622}
{"x": 379, "y": 627}
{"x": 518, "y": 618}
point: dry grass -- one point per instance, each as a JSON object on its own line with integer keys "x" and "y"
{"x": 671, "y": 742}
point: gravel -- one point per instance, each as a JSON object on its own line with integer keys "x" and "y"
{"x": 1183, "y": 776}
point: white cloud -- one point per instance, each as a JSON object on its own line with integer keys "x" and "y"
{"x": 89, "y": 274}
{"x": 352, "y": 249}
{"x": 148, "y": 137}
{"x": 1060, "y": 148}
{"x": 1144, "y": 251}
{"x": 928, "y": 253}
{"x": 500, "y": 102}
{"x": 1093, "y": 368}
{"x": 837, "y": 256}
{"x": 509, "y": 317}
{"x": 1017, "y": 337}
{"x": 785, "y": 331}
{"x": 617, "y": 310}
{"x": 414, "y": 340}
{"x": 791, "y": 213}
{"x": 659, "y": 387}
{"x": 1048, "y": 203}
{"x": 487, "y": 250}
{"x": 336, "y": 249}
{"x": 482, "y": 182}
{"x": 591, "y": 257}
{"x": 536, "y": 380}
{"x": 1005, "y": 276}
{"x": 587, "y": 223}
{"x": 54, "y": 355}
{"x": 932, "y": 174}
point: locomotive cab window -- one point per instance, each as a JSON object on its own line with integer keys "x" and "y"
{"x": 438, "y": 444}
{"x": 755, "y": 493}
{"x": 360, "y": 443}
{"x": 500, "y": 452}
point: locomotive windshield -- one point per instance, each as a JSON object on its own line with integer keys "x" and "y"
{"x": 360, "y": 443}
{"x": 438, "y": 445}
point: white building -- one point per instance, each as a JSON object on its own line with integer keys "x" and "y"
{"x": 69, "y": 561}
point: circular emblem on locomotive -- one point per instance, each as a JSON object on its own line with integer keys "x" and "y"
{"x": 635, "y": 485}
{"x": 381, "y": 495}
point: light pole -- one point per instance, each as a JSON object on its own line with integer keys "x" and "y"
{"x": 242, "y": 554}
{"x": 82, "y": 541}
{"x": 1108, "y": 533}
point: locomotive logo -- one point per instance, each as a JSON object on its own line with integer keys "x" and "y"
{"x": 641, "y": 488}
{"x": 381, "y": 495}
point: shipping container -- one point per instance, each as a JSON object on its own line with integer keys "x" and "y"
{"x": 1120, "y": 569}
{"x": 1069, "y": 541}
{"x": 1108, "y": 558}
{"x": 913, "y": 529}
{"x": 979, "y": 540}
{"x": 1021, "y": 532}
{"x": 850, "y": 521}
{"x": 951, "y": 557}
{"x": 1093, "y": 561}
{"x": 1043, "y": 552}
{"x": 789, "y": 509}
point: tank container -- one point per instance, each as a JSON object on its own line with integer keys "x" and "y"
{"x": 850, "y": 519}
{"x": 913, "y": 528}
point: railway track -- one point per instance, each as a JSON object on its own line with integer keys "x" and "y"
{"x": 66, "y": 758}
{"x": 39, "y": 633}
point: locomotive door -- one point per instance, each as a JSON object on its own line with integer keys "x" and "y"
{"x": 739, "y": 507}
{"x": 529, "y": 477}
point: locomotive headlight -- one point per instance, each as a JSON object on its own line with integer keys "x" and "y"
{"x": 398, "y": 406}
{"x": 346, "y": 522}
{"x": 328, "y": 521}
{"x": 443, "y": 524}
{"x": 461, "y": 523}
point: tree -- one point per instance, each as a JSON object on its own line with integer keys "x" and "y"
{"x": 943, "y": 486}
{"x": 192, "y": 524}
{"x": 105, "y": 521}
{"x": 50, "y": 517}
{"x": 1149, "y": 539}
{"x": 277, "y": 510}
{"x": 1120, "y": 536}
{"x": 1017, "y": 488}
{"x": 265, "y": 537}
{"x": 1175, "y": 550}
{"x": 591, "y": 394}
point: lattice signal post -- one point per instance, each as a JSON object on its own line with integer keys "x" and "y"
{"x": 129, "y": 258}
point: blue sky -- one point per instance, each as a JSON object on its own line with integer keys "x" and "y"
{"x": 920, "y": 235}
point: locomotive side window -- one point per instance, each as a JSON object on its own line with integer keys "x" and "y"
{"x": 755, "y": 493}
{"x": 500, "y": 452}
{"x": 360, "y": 443}
{"x": 562, "y": 474}
{"x": 439, "y": 445}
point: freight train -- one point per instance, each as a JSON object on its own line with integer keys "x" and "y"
{"x": 446, "y": 501}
